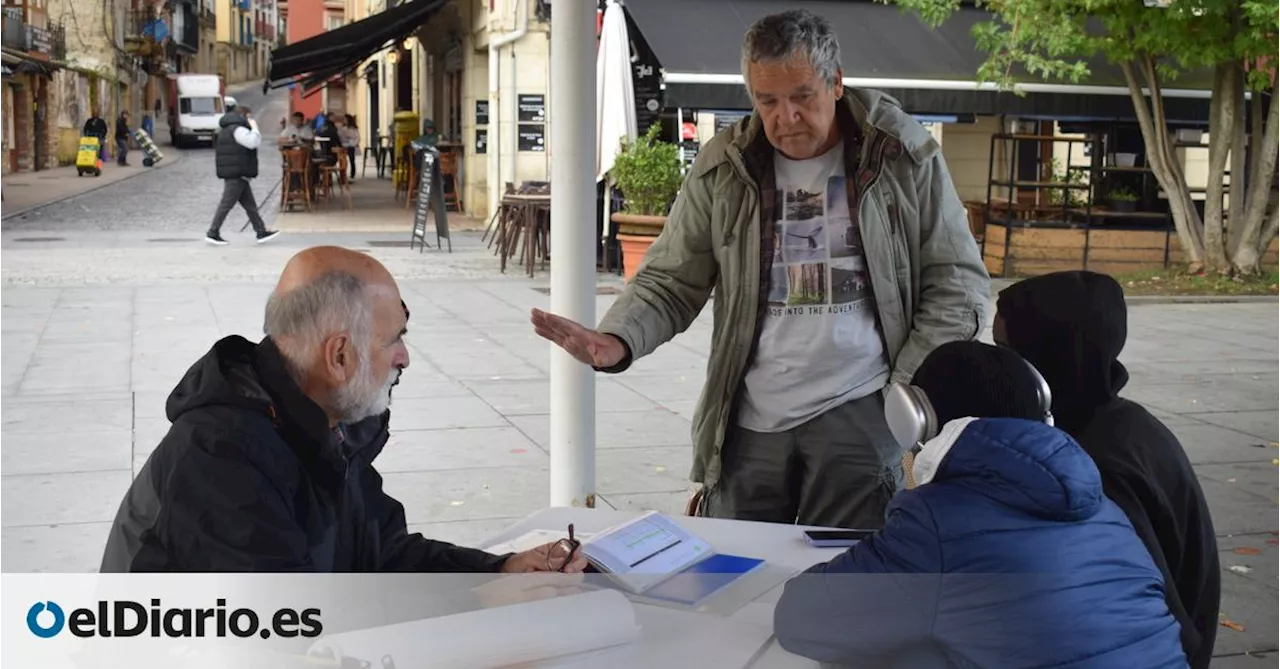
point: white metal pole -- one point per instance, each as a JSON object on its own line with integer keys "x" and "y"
{"x": 573, "y": 258}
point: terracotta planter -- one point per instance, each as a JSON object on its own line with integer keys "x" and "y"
{"x": 635, "y": 235}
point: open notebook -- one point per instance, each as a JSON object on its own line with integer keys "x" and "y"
{"x": 654, "y": 557}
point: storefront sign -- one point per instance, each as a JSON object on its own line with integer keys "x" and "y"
{"x": 429, "y": 198}
{"x": 726, "y": 119}
{"x": 532, "y": 137}
{"x": 39, "y": 40}
{"x": 482, "y": 112}
{"x": 646, "y": 77}
{"x": 533, "y": 108}
{"x": 482, "y": 140}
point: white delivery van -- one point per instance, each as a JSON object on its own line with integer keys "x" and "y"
{"x": 195, "y": 108}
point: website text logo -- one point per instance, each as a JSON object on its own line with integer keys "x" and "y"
{"x": 124, "y": 618}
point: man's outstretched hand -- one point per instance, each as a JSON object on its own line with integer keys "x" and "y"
{"x": 588, "y": 346}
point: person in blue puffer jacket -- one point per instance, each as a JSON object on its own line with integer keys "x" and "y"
{"x": 1006, "y": 554}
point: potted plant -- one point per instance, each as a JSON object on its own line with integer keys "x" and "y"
{"x": 1122, "y": 199}
{"x": 647, "y": 171}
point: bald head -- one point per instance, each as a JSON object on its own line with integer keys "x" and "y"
{"x": 337, "y": 318}
{"x": 309, "y": 265}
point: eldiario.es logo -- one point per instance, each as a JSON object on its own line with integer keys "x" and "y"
{"x": 124, "y": 618}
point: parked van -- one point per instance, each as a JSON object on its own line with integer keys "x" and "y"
{"x": 195, "y": 108}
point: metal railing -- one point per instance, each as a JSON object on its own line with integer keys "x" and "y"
{"x": 58, "y": 33}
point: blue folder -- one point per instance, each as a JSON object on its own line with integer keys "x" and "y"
{"x": 700, "y": 581}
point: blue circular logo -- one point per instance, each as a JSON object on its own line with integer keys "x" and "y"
{"x": 33, "y": 619}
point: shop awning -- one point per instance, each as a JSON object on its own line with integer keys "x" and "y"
{"x": 699, "y": 44}
{"x": 315, "y": 60}
{"x": 18, "y": 62}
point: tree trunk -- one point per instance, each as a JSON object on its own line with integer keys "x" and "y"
{"x": 1156, "y": 136}
{"x": 1222, "y": 136}
{"x": 1258, "y": 225}
{"x": 1240, "y": 179}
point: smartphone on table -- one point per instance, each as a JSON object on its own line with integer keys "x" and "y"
{"x": 835, "y": 538}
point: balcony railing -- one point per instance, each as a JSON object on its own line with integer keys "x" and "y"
{"x": 144, "y": 24}
{"x": 15, "y": 31}
{"x": 58, "y": 34}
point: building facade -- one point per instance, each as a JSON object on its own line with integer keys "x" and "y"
{"x": 304, "y": 19}
{"x": 235, "y": 56}
{"x": 32, "y": 45}
{"x": 442, "y": 74}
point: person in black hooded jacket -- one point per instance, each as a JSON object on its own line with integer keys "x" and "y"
{"x": 1072, "y": 327}
{"x": 268, "y": 466}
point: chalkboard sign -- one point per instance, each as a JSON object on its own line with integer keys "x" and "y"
{"x": 726, "y": 119}
{"x": 482, "y": 140}
{"x": 430, "y": 197}
{"x": 532, "y": 137}
{"x": 482, "y": 112}
{"x": 532, "y": 107}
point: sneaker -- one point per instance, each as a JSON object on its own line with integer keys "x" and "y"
{"x": 215, "y": 239}
{"x": 267, "y": 236}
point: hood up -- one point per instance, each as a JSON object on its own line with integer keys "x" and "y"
{"x": 1021, "y": 464}
{"x": 1072, "y": 327}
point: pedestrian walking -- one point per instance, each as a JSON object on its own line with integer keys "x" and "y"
{"x": 95, "y": 126}
{"x": 122, "y": 139}
{"x": 236, "y": 159}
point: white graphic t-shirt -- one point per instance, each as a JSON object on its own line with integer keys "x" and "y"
{"x": 820, "y": 346}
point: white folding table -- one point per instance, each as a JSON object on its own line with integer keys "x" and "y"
{"x": 782, "y": 547}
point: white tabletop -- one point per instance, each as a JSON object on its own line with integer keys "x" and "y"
{"x": 782, "y": 547}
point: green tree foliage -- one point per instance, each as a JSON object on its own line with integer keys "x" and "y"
{"x": 1154, "y": 42}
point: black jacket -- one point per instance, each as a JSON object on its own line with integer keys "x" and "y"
{"x": 251, "y": 478}
{"x": 1072, "y": 327}
{"x": 95, "y": 127}
{"x": 122, "y": 128}
{"x": 231, "y": 160}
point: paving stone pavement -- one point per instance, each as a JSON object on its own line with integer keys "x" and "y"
{"x": 86, "y": 369}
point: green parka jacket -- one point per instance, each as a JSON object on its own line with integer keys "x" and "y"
{"x": 927, "y": 275}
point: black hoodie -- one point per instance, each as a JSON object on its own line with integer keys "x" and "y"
{"x": 250, "y": 477}
{"x": 1072, "y": 327}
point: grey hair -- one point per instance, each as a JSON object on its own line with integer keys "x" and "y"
{"x": 301, "y": 319}
{"x": 779, "y": 37}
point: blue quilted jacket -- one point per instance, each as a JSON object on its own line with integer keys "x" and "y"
{"x": 1010, "y": 557}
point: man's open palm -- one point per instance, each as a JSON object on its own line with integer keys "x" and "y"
{"x": 588, "y": 346}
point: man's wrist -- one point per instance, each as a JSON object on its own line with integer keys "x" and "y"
{"x": 623, "y": 363}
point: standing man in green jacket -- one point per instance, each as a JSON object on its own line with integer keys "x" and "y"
{"x": 829, "y": 230}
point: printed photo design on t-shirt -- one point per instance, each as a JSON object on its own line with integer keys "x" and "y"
{"x": 817, "y": 254}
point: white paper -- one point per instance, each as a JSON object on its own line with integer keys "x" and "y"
{"x": 673, "y": 639}
{"x": 522, "y": 633}
{"x": 532, "y": 539}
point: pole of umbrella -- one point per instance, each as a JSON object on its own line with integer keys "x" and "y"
{"x": 573, "y": 276}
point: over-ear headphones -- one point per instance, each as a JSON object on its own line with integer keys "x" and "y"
{"x": 912, "y": 420}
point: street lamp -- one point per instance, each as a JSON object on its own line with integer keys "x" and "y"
{"x": 409, "y": 43}
{"x": 392, "y": 56}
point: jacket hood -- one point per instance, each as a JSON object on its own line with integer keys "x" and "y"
{"x": 233, "y": 118}
{"x": 1072, "y": 327}
{"x": 1021, "y": 464}
{"x": 238, "y": 373}
{"x": 224, "y": 376}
